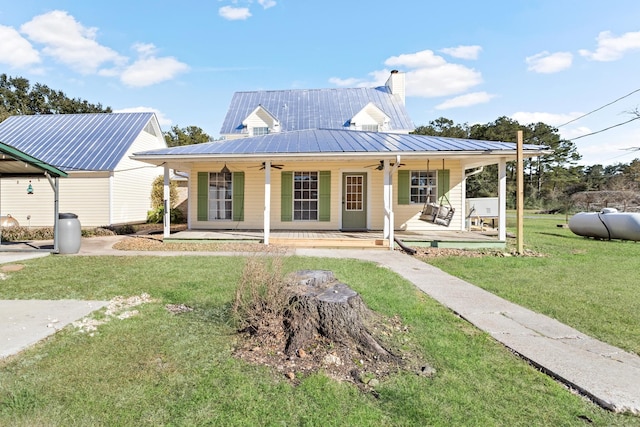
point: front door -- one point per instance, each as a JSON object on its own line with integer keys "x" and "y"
{"x": 354, "y": 201}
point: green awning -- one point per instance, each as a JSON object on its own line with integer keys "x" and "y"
{"x": 15, "y": 163}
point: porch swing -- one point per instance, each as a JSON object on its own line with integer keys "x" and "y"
{"x": 437, "y": 213}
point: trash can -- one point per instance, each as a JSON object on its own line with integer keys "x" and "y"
{"x": 69, "y": 233}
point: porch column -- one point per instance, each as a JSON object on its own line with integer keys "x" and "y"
{"x": 267, "y": 201}
{"x": 389, "y": 217}
{"x": 386, "y": 198}
{"x": 166, "y": 220}
{"x": 502, "y": 199}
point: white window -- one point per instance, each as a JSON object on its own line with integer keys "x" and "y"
{"x": 220, "y": 196}
{"x": 305, "y": 196}
{"x": 257, "y": 131}
{"x": 370, "y": 128}
{"x": 424, "y": 187}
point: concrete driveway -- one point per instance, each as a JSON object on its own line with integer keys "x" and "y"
{"x": 25, "y": 322}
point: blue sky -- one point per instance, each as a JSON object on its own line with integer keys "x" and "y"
{"x": 469, "y": 61}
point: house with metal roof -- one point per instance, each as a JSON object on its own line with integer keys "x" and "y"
{"x": 334, "y": 180}
{"x": 104, "y": 186}
{"x": 272, "y": 111}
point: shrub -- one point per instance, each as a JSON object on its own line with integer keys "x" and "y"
{"x": 157, "y": 193}
{"x": 261, "y": 299}
{"x": 156, "y": 216}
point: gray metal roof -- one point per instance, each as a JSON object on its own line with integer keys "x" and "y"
{"x": 75, "y": 142}
{"x": 332, "y": 141}
{"x": 315, "y": 108}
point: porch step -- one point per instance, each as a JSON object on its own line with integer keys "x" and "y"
{"x": 330, "y": 243}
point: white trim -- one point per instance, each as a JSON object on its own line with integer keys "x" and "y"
{"x": 267, "y": 201}
{"x": 166, "y": 220}
{"x": 111, "y": 191}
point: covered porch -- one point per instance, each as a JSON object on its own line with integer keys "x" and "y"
{"x": 279, "y": 188}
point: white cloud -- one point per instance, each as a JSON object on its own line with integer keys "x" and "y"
{"x": 351, "y": 82}
{"x": 162, "y": 119}
{"x": 234, "y": 13}
{"x": 466, "y": 100}
{"x": 422, "y": 59}
{"x": 266, "y": 3}
{"x": 463, "y": 52}
{"x": 551, "y": 119}
{"x": 611, "y": 48}
{"x": 67, "y": 41}
{"x": 15, "y": 51}
{"x": 428, "y": 75}
{"x": 149, "y": 70}
{"x": 547, "y": 63}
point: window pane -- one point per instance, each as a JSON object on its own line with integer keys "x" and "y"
{"x": 305, "y": 196}
{"x": 423, "y": 186}
{"x": 220, "y": 196}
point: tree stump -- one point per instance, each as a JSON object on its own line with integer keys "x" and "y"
{"x": 323, "y": 307}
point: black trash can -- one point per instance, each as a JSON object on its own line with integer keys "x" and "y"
{"x": 69, "y": 233}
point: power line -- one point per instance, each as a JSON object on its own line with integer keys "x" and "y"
{"x": 605, "y": 129}
{"x": 598, "y": 109}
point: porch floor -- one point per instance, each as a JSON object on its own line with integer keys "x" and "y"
{"x": 343, "y": 239}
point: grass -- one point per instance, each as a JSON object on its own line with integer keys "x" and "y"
{"x": 591, "y": 285}
{"x": 162, "y": 369}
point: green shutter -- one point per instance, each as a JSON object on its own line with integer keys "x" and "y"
{"x": 324, "y": 210}
{"x": 286, "y": 197}
{"x": 203, "y": 196}
{"x": 443, "y": 183}
{"x": 404, "y": 187}
{"x": 238, "y": 196}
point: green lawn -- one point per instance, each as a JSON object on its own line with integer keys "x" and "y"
{"x": 589, "y": 284}
{"x": 159, "y": 369}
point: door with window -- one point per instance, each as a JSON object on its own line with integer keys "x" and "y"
{"x": 354, "y": 201}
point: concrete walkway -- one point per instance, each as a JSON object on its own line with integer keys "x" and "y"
{"x": 606, "y": 374}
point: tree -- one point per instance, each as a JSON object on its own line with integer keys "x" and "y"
{"x": 443, "y": 127}
{"x": 18, "y": 97}
{"x": 186, "y": 136}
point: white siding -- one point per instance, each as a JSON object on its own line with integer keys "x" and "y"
{"x": 132, "y": 181}
{"x": 83, "y": 196}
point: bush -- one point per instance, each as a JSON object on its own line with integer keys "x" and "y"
{"x": 156, "y": 216}
{"x": 17, "y": 234}
{"x": 261, "y": 298}
{"x": 157, "y": 192}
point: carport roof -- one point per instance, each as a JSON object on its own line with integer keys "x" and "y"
{"x": 15, "y": 163}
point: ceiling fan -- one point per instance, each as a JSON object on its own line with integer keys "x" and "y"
{"x": 380, "y": 166}
{"x": 272, "y": 165}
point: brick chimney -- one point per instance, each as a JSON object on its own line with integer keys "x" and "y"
{"x": 396, "y": 85}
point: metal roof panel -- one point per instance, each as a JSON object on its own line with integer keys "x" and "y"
{"x": 72, "y": 142}
{"x": 303, "y": 109}
{"x": 332, "y": 141}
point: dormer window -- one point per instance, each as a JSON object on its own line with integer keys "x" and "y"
{"x": 260, "y": 122}
{"x": 257, "y": 131}
{"x": 370, "y": 119}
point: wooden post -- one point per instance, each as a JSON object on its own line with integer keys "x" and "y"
{"x": 520, "y": 194}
